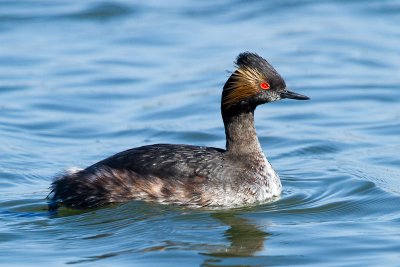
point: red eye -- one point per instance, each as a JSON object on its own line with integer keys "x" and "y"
{"x": 264, "y": 86}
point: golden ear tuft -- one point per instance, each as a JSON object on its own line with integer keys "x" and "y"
{"x": 242, "y": 85}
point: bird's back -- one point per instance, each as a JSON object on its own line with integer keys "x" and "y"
{"x": 165, "y": 160}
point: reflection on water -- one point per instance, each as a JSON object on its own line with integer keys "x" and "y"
{"x": 80, "y": 81}
{"x": 245, "y": 239}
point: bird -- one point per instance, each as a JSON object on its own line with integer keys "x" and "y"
{"x": 188, "y": 175}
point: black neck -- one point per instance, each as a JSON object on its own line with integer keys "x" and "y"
{"x": 241, "y": 136}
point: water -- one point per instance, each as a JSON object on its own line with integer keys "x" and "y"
{"x": 82, "y": 80}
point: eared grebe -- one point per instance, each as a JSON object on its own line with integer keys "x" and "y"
{"x": 194, "y": 176}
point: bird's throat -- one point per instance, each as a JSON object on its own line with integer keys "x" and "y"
{"x": 241, "y": 136}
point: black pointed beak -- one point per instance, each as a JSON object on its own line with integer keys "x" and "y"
{"x": 293, "y": 95}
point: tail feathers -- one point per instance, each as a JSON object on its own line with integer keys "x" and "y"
{"x": 83, "y": 189}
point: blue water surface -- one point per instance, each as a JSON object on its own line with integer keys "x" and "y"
{"x": 82, "y": 80}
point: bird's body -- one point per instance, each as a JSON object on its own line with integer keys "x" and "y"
{"x": 172, "y": 174}
{"x": 187, "y": 175}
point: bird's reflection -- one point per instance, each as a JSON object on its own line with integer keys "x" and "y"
{"x": 245, "y": 238}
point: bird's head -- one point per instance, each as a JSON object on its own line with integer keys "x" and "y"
{"x": 254, "y": 82}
